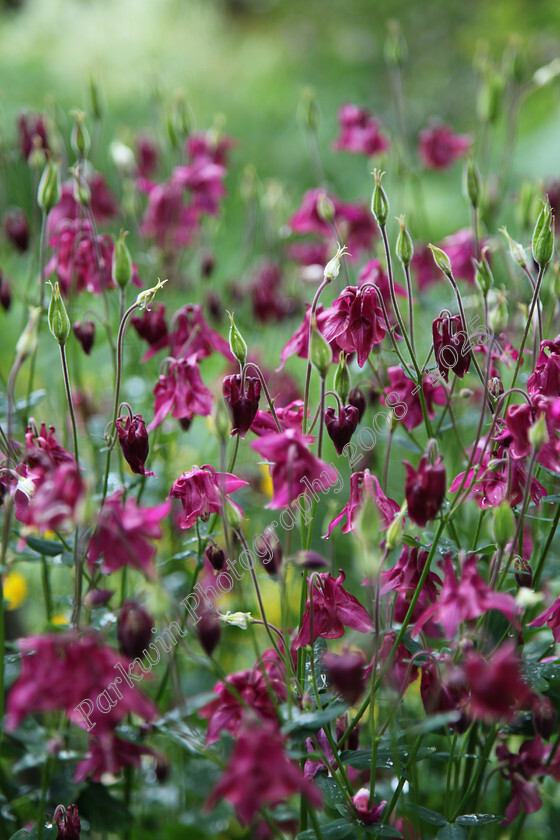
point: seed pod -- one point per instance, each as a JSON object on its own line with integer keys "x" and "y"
{"x": 59, "y": 322}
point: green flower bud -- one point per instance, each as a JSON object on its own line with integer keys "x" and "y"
{"x": 342, "y": 382}
{"x": 325, "y": 208}
{"x": 332, "y": 268}
{"x": 49, "y": 191}
{"x": 143, "y": 299}
{"x": 121, "y": 269}
{"x": 237, "y": 343}
{"x": 395, "y": 530}
{"x": 237, "y": 619}
{"x": 309, "y": 109}
{"x": 543, "y": 236}
{"x": 59, "y": 322}
{"x": 472, "y": 185}
{"x": 395, "y": 49}
{"x": 490, "y": 98}
{"x": 516, "y": 251}
{"x": 232, "y": 515}
{"x": 498, "y": 315}
{"x": 221, "y": 420}
{"x": 441, "y": 260}
{"x": 405, "y": 247}
{"x": 27, "y": 342}
{"x": 379, "y": 200}
{"x": 320, "y": 352}
{"x": 484, "y": 277}
{"x": 503, "y": 524}
{"x": 523, "y": 572}
{"x": 95, "y": 98}
{"x": 538, "y": 433}
{"x": 527, "y": 205}
{"x": 80, "y": 139}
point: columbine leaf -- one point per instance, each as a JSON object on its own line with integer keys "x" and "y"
{"x": 478, "y": 819}
{"x": 427, "y": 815}
{"x": 452, "y": 831}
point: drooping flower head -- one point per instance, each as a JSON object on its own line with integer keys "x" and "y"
{"x": 134, "y": 443}
{"x": 360, "y": 132}
{"x": 425, "y": 489}
{"x": 439, "y": 147}
{"x": 181, "y": 392}
{"x": 451, "y": 346}
{"x": 362, "y": 484}
{"x": 242, "y": 404}
{"x": 356, "y": 322}
{"x": 333, "y": 609}
{"x": 202, "y": 491}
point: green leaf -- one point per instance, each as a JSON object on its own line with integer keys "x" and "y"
{"x": 332, "y": 794}
{"x": 555, "y": 498}
{"x": 452, "y": 831}
{"x": 386, "y": 757}
{"x": 305, "y": 723}
{"x": 331, "y": 831}
{"x": 478, "y": 819}
{"x": 104, "y": 812}
{"x": 48, "y": 547}
{"x": 427, "y": 815}
{"x": 49, "y": 832}
{"x": 381, "y": 831}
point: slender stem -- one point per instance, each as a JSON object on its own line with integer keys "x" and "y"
{"x": 527, "y": 327}
{"x": 266, "y": 391}
{"x": 410, "y": 306}
{"x": 321, "y": 417}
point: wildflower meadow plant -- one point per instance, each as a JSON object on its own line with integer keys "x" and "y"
{"x": 295, "y": 576}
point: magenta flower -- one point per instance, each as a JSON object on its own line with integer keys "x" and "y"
{"x": 168, "y": 220}
{"x": 515, "y": 437}
{"x": 439, "y": 147}
{"x": 368, "y": 814}
{"x": 32, "y": 130}
{"x": 16, "y": 228}
{"x": 109, "y": 754}
{"x": 289, "y": 417}
{"x": 67, "y": 822}
{"x": 459, "y": 247}
{"x": 269, "y": 299}
{"x": 308, "y": 218}
{"x": 85, "y": 333}
{"x": 295, "y": 470}
{"x": 191, "y": 334}
{"x": 496, "y": 684}
{"x": 124, "y": 533}
{"x": 373, "y": 272}
{"x": 466, "y": 599}
{"x": 181, "y": 392}
{"x": 103, "y": 204}
{"x": 333, "y": 609}
{"x": 545, "y": 379}
{"x": 147, "y": 155}
{"x": 407, "y": 394}
{"x": 356, "y": 322}
{"x": 202, "y": 491}
{"x": 346, "y": 672}
{"x": 55, "y": 503}
{"x": 225, "y": 713}
{"x": 360, "y": 132}
{"x": 550, "y": 617}
{"x": 523, "y": 770}
{"x": 425, "y": 489}
{"x": 260, "y": 774}
{"x": 39, "y": 442}
{"x": 134, "y": 443}
{"x": 209, "y": 145}
{"x": 68, "y": 672}
{"x": 151, "y": 326}
{"x": 362, "y": 483}
{"x": 242, "y": 405}
{"x": 354, "y": 222}
{"x": 405, "y": 574}
{"x": 298, "y": 344}
{"x": 451, "y": 346}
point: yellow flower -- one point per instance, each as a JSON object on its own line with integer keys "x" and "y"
{"x": 59, "y": 619}
{"x": 266, "y": 481}
{"x": 15, "y": 590}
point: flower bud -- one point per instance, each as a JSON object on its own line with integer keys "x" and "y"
{"x": 209, "y": 630}
{"x": 471, "y": 182}
{"x": 237, "y": 343}
{"x": 516, "y": 250}
{"x": 49, "y": 190}
{"x": 342, "y": 378}
{"x": 269, "y": 551}
{"x": 216, "y": 556}
{"x": 320, "y": 352}
{"x": 543, "y": 236}
{"x": 483, "y": 276}
{"x": 16, "y": 227}
{"x": 503, "y": 524}
{"x": 242, "y": 404}
{"x": 95, "y": 98}
{"x": 122, "y": 263}
{"x": 357, "y": 398}
{"x": 395, "y": 49}
{"x": 523, "y": 572}
{"x": 405, "y": 247}
{"x": 134, "y": 443}
{"x": 332, "y": 268}
{"x": 528, "y": 195}
{"x": 309, "y": 109}
{"x": 538, "y": 433}
{"x": 498, "y": 315}
{"x": 441, "y": 260}
{"x": 220, "y": 417}
{"x": 379, "y": 201}
{"x": 144, "y": 299}
{"x": 346, "y": 672}
{"x": 59, "y": 322}
{"x": 134, "y": 629}
{"x": 325, "y": 208}
{"x": 232, "y": 514}
{"x": 237, "y": 619}
{"x": 495, "y": 387}
{"x": 341, "y": 428}
{"x": 27, "y": 342}
{"x": 80, "y": 139}
{"x": 395, "y": 530}
{"x": 67, "y": 822}
{"x": 85, "y": 333}
{"x": 5, "y": 293}
{"x": 544, "y": 716}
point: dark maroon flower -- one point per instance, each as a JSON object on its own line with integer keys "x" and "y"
{"x": 496, "y": 684}
{"x": 269, "y": 551}
{"x": 5, "y": 292}
{"x": 357, "y": 398}
{"x": 202, "y": 491}
{"x": 216, "y": 556}
{"x": 67, "y": 822}
{"x": 445, "y": 695}
{"x": 110, "y": 754}
{"x": 32, "y": 130}
{"x": 362, "y": 484}
{"x": 242, "y": 404}
{"x": 298, "y": 344}
{"x": 407, "y": 396}
{"x": 346, "y": 672}
{"x": 181, "y": 392}
{"x": 333, "y": 609}
{"x": 85, "y": 333}
{"x": 133, "y": 438}
{"x": 439, "y": 147}
{"x": 151, "y": 326}
{"x": 269, "y": 298}
{"x": 54, "y": 499}
{"x": 209, "y": 631}
{"x": 147, "y": 155}
{"x": 103, "y": 205}
{"x": 134, "y": 629}
{"x": 45, "y": 443}
{"x": 545, "y": 718}
{"x": 16, "y": 228}
{"x": 356, "y": 322}
{"x": 545, "y": 379}
{"x": 405, "y": 574}
{"x": 451, "y": 346}
{"x": 260, "y": 774}
{"x": 192, "y": 335}
{"x": 341, "y": 428}
{"x": 523, "y": 770}
{"x": 360, "y": 132}
{"x": 425, "y": 489}
{"x": 401, "y": 672}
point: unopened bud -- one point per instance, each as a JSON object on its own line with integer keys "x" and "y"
{"x": 232, "y": 514}
{"x": 395, "y": 530}
{"x": 80, "y": 139}
{"x": 472, "y": 183}
{"x": 379, "y": 200}
{"x": 325, "y": 208}
{"x": 237, "y": 619}
{"x": 441, "y": 260}
{"x": 495, "y": 387}
{"x": 309, "y": 109}
{"x": 332, "y": 268}
{"x": 215, "y": 556}
{"x": 209, "y": 630}
{"x": 543, "y": 236}
{"x": 538, "y": 433}
{"x": 483, "y": 276}
{"x": 144, "y": 299}
{"x": 503, "y": 524}
{"x": 59, "y": 322}
{"x": 544, "y": 715}
{"x": 122, "y": 263}
{"x": 523, "y": 572}
{"x": 516, "y": 250}
{"x": 49, "y": 190}
{"x": 498, "y": 315}
{"x": 342, "y": 378}
{"x": 95, "y": 98}
{"x": 527, "y": 206}
{"x": 320, "y": 353}
{"x": 220, "y": 416}
{"x": 395, "y": 49}
{"x": 405, "y": 247}
{"x": 237, "y": 343}
{"x": 432, "y": 451}
{"x": 27, "y": 342}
